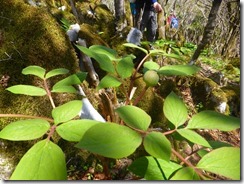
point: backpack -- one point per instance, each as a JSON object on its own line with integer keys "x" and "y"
{"x": 174, "y": 23}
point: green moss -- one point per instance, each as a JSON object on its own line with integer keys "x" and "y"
{"x": 150, "y": 103}
{"x": 31, "y": 36}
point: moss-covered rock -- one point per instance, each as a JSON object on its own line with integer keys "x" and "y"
{"x": 31, "y": 36}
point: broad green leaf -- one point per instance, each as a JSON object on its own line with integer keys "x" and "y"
{"x": 64, "y": 89}
{"x": 74, "y": 79}
{"x": 108, "y": 81}
{"x": 150, "y": 65}
{"x": 175, "y": 110}
{"x": 43, "y": 161}
{"x": 202, "y": 152}
{"x": 125, "y": 67}
{"x": 157, "y": 145}
{"x": 135, "y": 46}
{"x": 185, "y": 50}
{"x": 181, "y": 70}
{"x": 134, "y": 116}
{"x": 27, "y": 90}
{"x": 103, "y": 60}
{"x": 193, "y": 137}
{"x": 152, "y": 168}
{"x": 218, "y": 144}
{"x": 110, "y": 140}
{"x": 173, "y": 55}
{"x": 25, "y": 130}
{"x": 66, "y": 111}
{"x": 104, "y": 50}
{"x": 176, "y": 50}
{"x": 34, "y": 70}
{"x": 213, "y": 120}
{"x": 75, "y": 129}
{"x": 157, "y": 51}
{"x": 55, "y": 72}
{"x": 185, "y": 173}
{"x": 223, "y": 161}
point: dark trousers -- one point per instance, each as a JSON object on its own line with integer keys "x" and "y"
{"x": 148, "y": 21}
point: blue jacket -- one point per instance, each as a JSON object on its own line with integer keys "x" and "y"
{"x": 148, "y": 4}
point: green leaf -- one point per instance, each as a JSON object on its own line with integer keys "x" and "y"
{"x": 201, "y": 152}
{"x": 108, "y": 81}
{"x": 134, "y": 116}
{"x": 55, "y": 72}
{"x": 103, "y": 60}
{"x": 224, "y": 161}
{"x": 151, "y": 168}
{"x": 104, "y": 50}
{"x": 25, "y": 130}
{"x": 176, "y": 50}
{"x": 66, "y": 111}
{"x": 175, "y": 110}
{"x": 135, "y": 46}
{"x": 44, "y": 161}
{"x": 125, "y": 67}
{"x": 185, "y": 173}
{"x": 34, "y": 70}
{"x": 182, "y": 70}
{"x": 218, "y": 144}
{"x": 64, "y": 89}
{"x": 27, "y": 90}
{"x": 74, "y": 79}
{"x": 173, "y": 55}
{"x": 110, "y": 140}
{"x": 150, "y": 65}
{"x": 157, "y": 145}
{"x": 185, "y": 50}
{"x": 157, "y": 51}
{"x": 213, "y": 120}
{"x": 193, "y": 137}
{"x": 75, "y": 129}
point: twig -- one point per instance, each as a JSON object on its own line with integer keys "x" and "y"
{"x": 9, "y": 57}
{"x": 17, "y": 50}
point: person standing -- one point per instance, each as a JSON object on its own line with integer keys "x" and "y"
{"x": 146, "y": 17}
{"x": 172, "y": 20}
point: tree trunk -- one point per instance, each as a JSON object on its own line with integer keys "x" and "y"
{"x": 161, "y": 21}
{"x": 78, "y": 18}
{"x": 234, "y": 30}
{"x": 208, "y": 31}
{"x": 120, "y": 18}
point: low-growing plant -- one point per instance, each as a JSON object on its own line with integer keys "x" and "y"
{"x": 46, "y": 160}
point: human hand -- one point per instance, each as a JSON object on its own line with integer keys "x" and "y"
{"x": 157, "y": 7}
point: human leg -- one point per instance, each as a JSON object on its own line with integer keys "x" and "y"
{"x": 152, "y": 26}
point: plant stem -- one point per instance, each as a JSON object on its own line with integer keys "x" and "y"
{"x": 134, "y": 75}
{"x": 169, "y": 132}
{"x": 51, "y": 132}
{"x": 188, "y": 164}
{"x": 25, "y": 116}
{"x": 48, "y": 93}
{"x": 141, "y": 95}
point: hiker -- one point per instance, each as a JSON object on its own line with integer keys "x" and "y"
{"x": 146, "y": 17}
{"x": 133, "y": 10}
{"x": 172, "y": 20}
